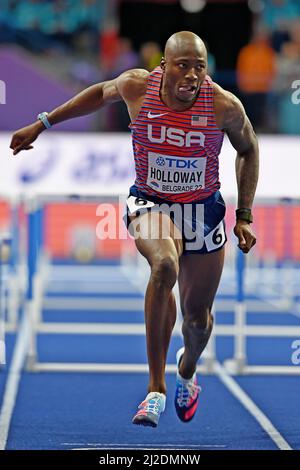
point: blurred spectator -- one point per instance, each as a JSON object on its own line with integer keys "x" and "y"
{"x": 126, "y": 57}
{"x": 28, "y": 15}
{"x": 256, "y": 67}
{"x": 109, "y": 45}
{"x": 7, "y": 32}
{"x": 85, "y": 73}
{"x": 211, "y": 64}
{"x": 288, "y": 67}
{"x": 28, "y": 18}
{"x": 89, "y": 13}
{"x": 40, "y": 25}
{"x": 70, "y": 36}
{"x": 277, "y": 16}
{"x": 90, "y": 16}
{"x": 150, "y": 55}
{"x": 288, "y": 63}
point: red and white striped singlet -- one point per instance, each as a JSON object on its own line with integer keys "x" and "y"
{"x": 176, "y": 152}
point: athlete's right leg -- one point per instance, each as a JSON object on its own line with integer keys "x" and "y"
{"x": 160, "y": 242}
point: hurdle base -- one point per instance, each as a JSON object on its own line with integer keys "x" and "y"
{"x": 235, "y": 366}
{"x": 30, "y": 363}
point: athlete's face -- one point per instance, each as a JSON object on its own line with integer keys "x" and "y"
{"x": 184, "y": 72}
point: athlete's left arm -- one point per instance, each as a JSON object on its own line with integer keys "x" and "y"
{"x": 242, "y": 137}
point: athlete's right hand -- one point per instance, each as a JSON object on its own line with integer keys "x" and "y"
{"x": 23, "y": 138}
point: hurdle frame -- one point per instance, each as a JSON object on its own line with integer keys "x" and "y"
{"x": 239, "y": 331}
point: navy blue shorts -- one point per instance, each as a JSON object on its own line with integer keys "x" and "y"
{"x": 201, "y": 223}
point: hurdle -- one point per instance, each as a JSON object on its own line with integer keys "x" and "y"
{"x": 238, "y": 364}
{"x": 12, "y": 275}
{"x": 5, "y": 241}
{"x": 135, "y": 270}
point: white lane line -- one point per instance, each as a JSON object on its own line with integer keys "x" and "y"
{"x": 12, "y": 384}
{"x": 252, "y": 408}
{"x": 93, "y": 287}
{"x": 144, "y": 446}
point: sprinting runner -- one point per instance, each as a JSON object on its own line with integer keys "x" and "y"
{"x": 175, "y": 210}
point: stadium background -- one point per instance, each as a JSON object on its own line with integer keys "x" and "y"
{"x": 52, "y": 49}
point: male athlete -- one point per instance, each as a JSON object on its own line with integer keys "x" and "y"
{"x": 178, "y": 120}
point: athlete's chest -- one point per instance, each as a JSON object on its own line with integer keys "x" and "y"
{"x": 159, "y": 126}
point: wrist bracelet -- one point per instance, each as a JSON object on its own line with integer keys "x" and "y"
{"x": 244, "y": 214}
{"x": 43, "y": 118}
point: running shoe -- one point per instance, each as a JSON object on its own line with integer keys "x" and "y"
{"x": 187, "y": 393}
{"x": 150, "y": 409}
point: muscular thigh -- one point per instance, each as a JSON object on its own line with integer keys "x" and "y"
{"x": 156, "y": 236}
{"x": 199, "y": 277}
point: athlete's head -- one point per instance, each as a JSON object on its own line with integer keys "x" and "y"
{"x": 184, "y": 65}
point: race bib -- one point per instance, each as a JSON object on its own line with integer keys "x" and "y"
{"x": 216, "y": 238}
{"x": 170, "y": 174}
{"x": 136, "y": 203}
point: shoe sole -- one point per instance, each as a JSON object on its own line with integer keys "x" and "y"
{"x": 144, "y": 421}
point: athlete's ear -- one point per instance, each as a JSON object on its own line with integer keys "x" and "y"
{"x": 163, "y": 64}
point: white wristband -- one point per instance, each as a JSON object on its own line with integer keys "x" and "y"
{"x": 43, "y": 117}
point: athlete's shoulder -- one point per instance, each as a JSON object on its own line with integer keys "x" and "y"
{"x": 133, "y": 83}
{"x": 228, "y": 107}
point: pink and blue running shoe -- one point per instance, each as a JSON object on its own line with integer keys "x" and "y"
{"x": 187, "y": 393}
{"x": 150, "y": 409}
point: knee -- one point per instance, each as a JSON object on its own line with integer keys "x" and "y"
{"x": 164, "y": 270}
{"x": 200, "y": 320}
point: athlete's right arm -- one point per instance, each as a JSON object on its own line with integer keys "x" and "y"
{"x": 128, "y": 86}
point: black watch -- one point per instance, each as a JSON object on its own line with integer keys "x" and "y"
{"x": 244, "y": 214}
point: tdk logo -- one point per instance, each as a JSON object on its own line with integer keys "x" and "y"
{"x": 2, "y": 92}
{"x": 175, "y": 163}
{"x": 160, "y": 161}
{"x": 177, "y": 137}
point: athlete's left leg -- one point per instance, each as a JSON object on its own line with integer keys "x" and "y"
{"x": 199, "y": 277}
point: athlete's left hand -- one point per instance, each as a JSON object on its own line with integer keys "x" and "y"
{"x": 245, "y": 235}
